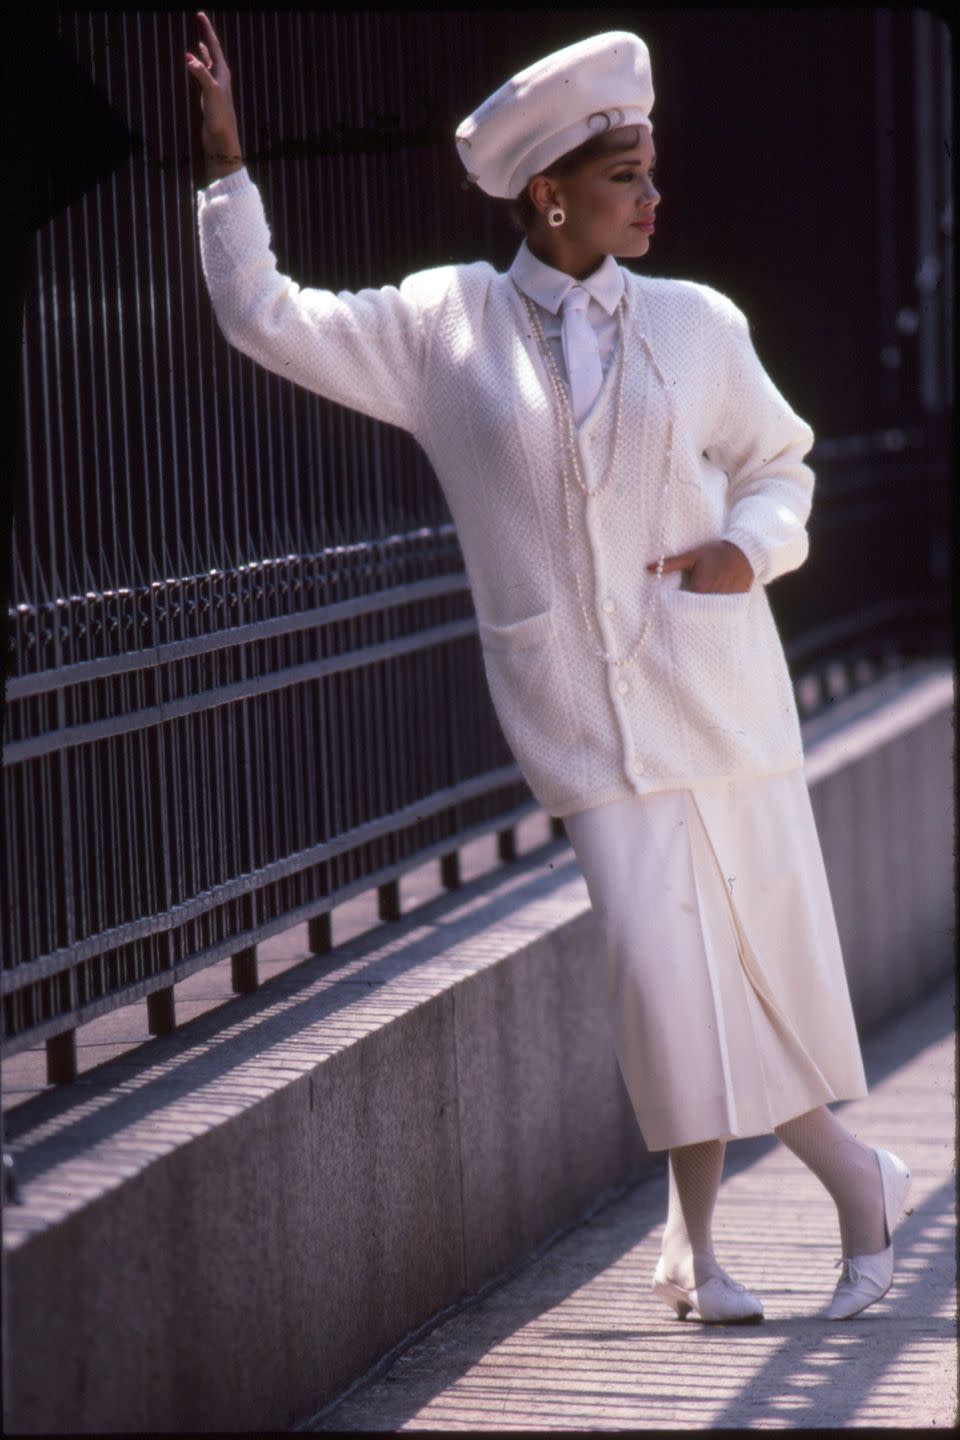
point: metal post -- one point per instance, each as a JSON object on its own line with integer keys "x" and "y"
{"x": 243, "y": 971}
{"x": 388, "y": 896}
{"x": 161, "y": 1019}
{"x": 450, "y": 870}
{"x": 320, "y": 933}
{"x": 62, "y": 1058}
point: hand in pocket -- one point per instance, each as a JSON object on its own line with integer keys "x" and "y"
{"x": 717, "y": 568}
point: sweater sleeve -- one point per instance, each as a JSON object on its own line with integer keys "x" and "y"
{"x": 362, "y": 350}
{"x": 761, "y": 443}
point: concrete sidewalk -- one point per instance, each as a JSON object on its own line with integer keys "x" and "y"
{"x": 574, "y": 1340}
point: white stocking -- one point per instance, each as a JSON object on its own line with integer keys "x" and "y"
{"x": 849, "y": 1170}
{"x": 687, "y": 1248}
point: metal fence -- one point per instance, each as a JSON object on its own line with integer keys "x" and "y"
{"x": 245, "y": 678}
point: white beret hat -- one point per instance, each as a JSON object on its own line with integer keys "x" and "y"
{"x": 552, "y": 107}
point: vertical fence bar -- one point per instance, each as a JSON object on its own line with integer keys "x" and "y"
{"x": 929, "y": 264}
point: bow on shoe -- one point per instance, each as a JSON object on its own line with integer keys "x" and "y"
{"x": 853, "y": 1273}
{"x": 869, "y": 1277}
{"x": 864, "y": 1280}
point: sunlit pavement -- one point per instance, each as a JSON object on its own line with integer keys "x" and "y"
{"x": 574, "y": 1340}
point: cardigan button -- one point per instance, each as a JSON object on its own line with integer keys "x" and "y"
{"x": 637, "y": 767}
{"x": 623, "y": 687}
{"x": 608, "y": 605}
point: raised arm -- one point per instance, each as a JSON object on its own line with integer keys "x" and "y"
{"x": 220, "y": 131}
{"x": 363, "y": 350}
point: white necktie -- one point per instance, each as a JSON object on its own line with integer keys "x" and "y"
{"x": 581, "y": 352}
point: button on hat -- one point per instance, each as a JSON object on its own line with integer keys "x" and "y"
{"x": 553, "y": 106}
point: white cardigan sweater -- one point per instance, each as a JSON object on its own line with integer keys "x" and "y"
{"x": 449, "y": 356}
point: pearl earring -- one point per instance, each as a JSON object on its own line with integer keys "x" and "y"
{"x": 555, "y": 216}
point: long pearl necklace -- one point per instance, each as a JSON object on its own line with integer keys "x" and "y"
{"x": 572, "y": 463}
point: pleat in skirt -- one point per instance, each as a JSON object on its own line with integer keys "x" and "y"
{"x": 728, "y": 998}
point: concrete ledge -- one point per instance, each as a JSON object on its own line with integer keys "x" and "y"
{"x": 225, "y": 1235}
{"x": 245, "y": 1224}
{"x": 881, "y": 774}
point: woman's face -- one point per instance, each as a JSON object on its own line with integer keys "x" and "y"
{"x": 603, "y": 202}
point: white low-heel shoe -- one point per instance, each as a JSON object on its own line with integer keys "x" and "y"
{"x": 718, "y": 1301}
{"x": 867, "y": 1278}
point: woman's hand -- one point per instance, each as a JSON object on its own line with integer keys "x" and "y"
{"x": 221, "y": 132}
{"x": 717, "y": 568}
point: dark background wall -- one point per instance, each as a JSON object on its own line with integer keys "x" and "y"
{"x": 805, "y": 167}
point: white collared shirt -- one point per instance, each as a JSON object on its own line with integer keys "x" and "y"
{"x": 548, "y": 287}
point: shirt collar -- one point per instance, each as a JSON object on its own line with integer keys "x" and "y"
{"x": 548, "y": 287}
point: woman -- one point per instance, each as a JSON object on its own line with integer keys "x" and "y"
{"x": 625, "y": 480}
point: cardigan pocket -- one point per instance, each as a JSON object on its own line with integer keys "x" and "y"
{"x": 707, "y": 636}
{"x": 531, "y": 695}
{"x": 732, "y": 683}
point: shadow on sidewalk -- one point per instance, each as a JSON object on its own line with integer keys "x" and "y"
{"x": 802, "y": 1369}
{"x": 799, "y": 1379}
{"x": 819, "y": 1375}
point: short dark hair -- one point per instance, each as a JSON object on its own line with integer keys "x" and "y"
{"x": 522, "y": 210}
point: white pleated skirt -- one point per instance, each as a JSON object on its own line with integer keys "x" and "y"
{"x": 728, "y": 999}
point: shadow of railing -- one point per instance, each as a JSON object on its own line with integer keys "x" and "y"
{"x": 801, "y": 1379}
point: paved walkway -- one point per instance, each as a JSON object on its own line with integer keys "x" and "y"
{"x": 575, "y": 1341}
